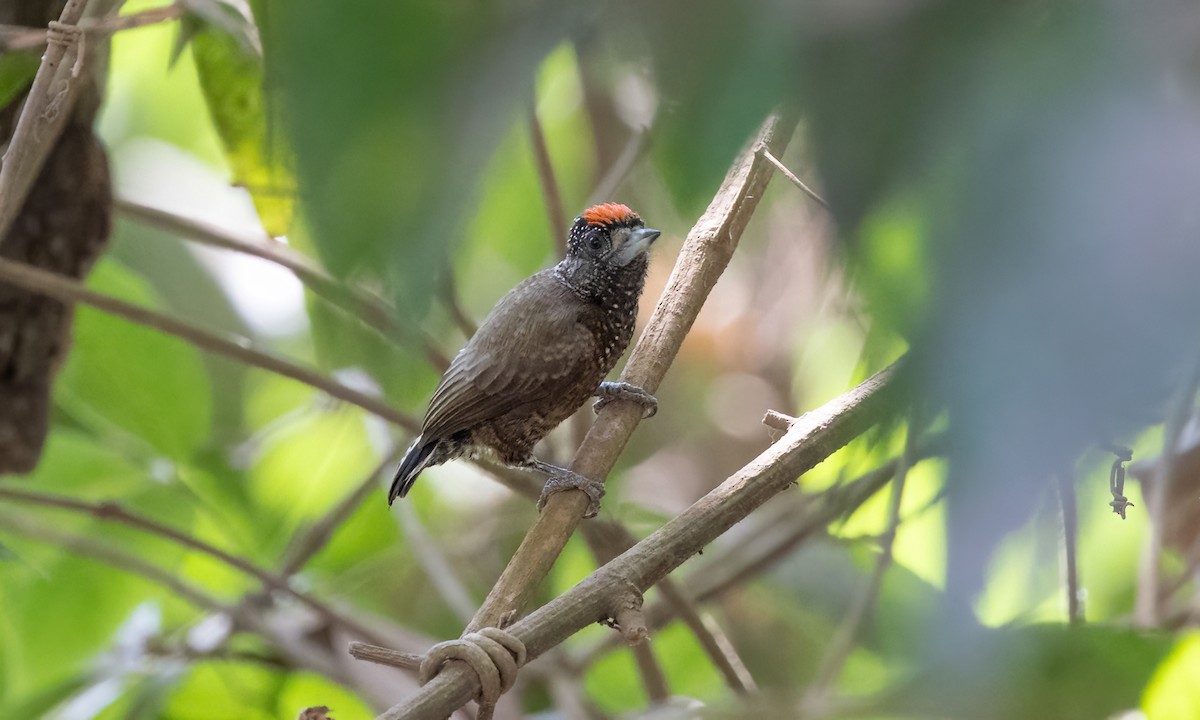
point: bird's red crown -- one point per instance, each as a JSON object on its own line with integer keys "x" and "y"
{"x": 609, "y": 214}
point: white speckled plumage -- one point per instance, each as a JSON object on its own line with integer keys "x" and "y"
{"x": 542, "y": 351}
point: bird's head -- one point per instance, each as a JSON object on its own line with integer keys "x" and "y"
{"x": 611, "y": 235}
{"x": 606, "y": 253}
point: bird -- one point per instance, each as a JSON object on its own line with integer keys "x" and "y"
{"x": 540, "y": 354}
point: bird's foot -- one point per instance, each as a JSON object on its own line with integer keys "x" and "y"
{"x": 609, "y": 391}
{"x": 566, "y": 480}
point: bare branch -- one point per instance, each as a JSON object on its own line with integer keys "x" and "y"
{"x": 703, "y": 258}
{"x": 385, "y": 656}
{"x": 620, "y": 168}
{"x": 355, "y": 301}
{"x": 462, "y": 320}
{"x": 305, "y": 545}
{"x": 71, "y": 291}
{"x": 88, "y": 547}
{"x": 437, "y": 568}
{"x": 14, "y": 38}
{"x": 813, "y": 437}
{"x": 112, "y": 512}
{"x": 860, "y": 606}
{"x": 550, "y": 192}
{"x": 780, "y": 534}
{"x": 47, "y": 107}
{"x": 1064, "y": 482}
{"x": 795, "y": 180}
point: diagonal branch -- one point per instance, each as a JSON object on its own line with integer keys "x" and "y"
{"x": 356, "y": 301}
{"x": 47, "y": 107}
{"x": 112, "y": 512}
{"x": 549, "y": 182}
{"x": 810, "y": 440}
{"x": 705, "y": 253}
{"x": 68, "y": 291}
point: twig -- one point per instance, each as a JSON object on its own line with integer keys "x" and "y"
{"x": 745, "y": 679}
{"x": 1145, "y": 613}
{"x": 385, "y": 656}
{"x": 860, "y": 606}
{"x": 15, "y": 38}
{"x": 550, "y": 192}
{"x": 1064, "y": 482}
{"x": 620, "y": 168}
{"x": 112, "y": 512}
{"x": 795, "y": 180}
{"x": 450, "y": 298}
{"x": 47, "y": 107}
{"x": 71, "y": 291}
{"x": 355, "y": 301}
{"x": 607, "y": 539}
{"x": 89, "y": 547}
{"x": 308, "y": 543}
{"x": 651, "y": 672}
{"x": 703, "y": 258}
{"x": 436, "y": 567}
{"x": 739, "y": 563}
{"x": 812, "y": 438}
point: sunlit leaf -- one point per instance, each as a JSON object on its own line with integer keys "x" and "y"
{"x": 232, "y": 81}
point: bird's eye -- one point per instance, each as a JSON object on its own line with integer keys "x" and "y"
{"x": 595, "y": 243}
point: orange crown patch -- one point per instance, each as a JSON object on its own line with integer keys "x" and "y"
{"x": 609, "y": 214}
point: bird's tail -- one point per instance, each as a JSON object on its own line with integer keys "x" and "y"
{"x": 411, "y": 466}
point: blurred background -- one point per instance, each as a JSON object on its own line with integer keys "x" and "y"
{"x": 1007, "y": 192}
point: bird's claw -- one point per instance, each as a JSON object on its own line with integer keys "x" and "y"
{"x": 609, "y": 391}
{"x": 574, "y": 481}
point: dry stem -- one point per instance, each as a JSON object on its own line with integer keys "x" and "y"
{"x": 355, "y": 301}
{"x": 47, "y": 107}
{"x": 703, "y": 258}
{"x": 71, "y": 291}
{"x": 811, "y": 439}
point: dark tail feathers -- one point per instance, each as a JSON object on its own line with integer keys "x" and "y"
{"x": 410, "y": 467}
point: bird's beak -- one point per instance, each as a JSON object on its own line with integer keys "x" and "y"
{"x": 638, "y": 242}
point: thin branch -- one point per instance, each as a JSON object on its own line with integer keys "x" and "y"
{"x": 435, "y": 565}
{"x": 1145, "y": 613}
{"x": 860, "y": 606}
{"x": 1064, "y": 482}
{"x": 550, "y": 192}
{"x": 795, "y": 180}
{"x": 70, "y": 291}
{"x": 607, "y": 539}
{"x": 89, "y": 547}
{"x": 15, "y": 38}
{"x": 620, "y": 168}
{"x": 46, "y": 109}
{"x": 789, "y": 526}
{"x": 813, "y": 438}
{"x": 705, "y": 253}
{"x": 355, "y": 301}
{"x": 305, "y": 545}
{"x": 454, "y": 306}
{"x": 112, "y": 512}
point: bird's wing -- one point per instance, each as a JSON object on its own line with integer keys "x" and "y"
{"x": 530, "y": 348}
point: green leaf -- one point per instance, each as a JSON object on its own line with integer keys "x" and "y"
{"x": 16, "y": 73}
{"x": 231, "y": 79}
{"x": 1174, "y": 691}
{"x": 393, "y": 111}
{"x": 145, "y": 382}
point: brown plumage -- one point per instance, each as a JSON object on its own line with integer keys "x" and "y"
{"x": 541, "y": 353}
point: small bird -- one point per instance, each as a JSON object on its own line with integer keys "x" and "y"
{"x": 544, "y": 349}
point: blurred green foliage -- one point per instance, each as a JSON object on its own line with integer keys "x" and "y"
{"x": 1013, "y": 189}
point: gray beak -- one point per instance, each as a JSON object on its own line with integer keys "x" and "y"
{"x": 639, "y": 241}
